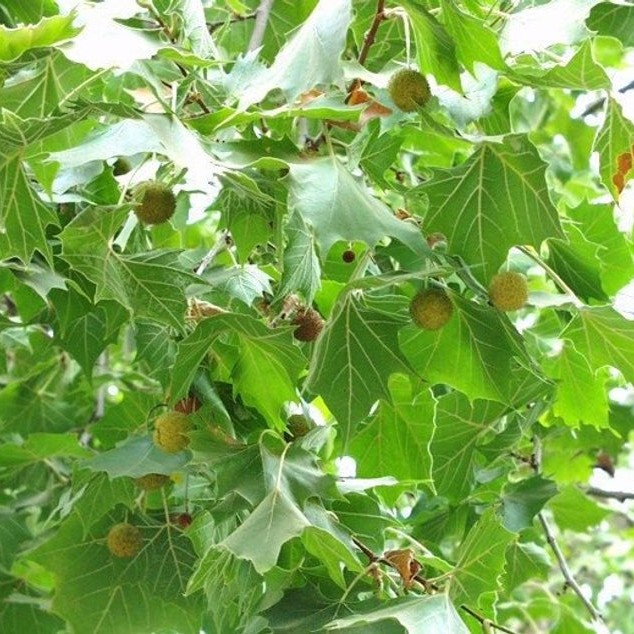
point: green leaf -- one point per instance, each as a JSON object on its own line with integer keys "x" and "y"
{"x": 354, "y": 357}
{"x": 98, "y": 592}
{"x": 581, "y": 72}
{"x": 396, "y": 440}
{"x": 48, "y": 31}
{"x": 476, "y": 352}
{"x": 301, "y": 270}
{"x": 338, "y": 207}
{"x": 416, "y": 614}
{"x": 573, "y": 510}
{"x": 436, "y": 51}
{"x": 597, "y": 224}
{"x": 580, "y": 392}
{"x": 264, "y": 370}
{"x": 496, "y": 200}
{"x": 524, "y": 562}
{"x": 41, "y": 446}
{"x": 522, "y": 500}
{"x": 135, "y": 457}
{"x": 480, "y": 560}
{"x": 604, "y": 337}
{"x": 474, "y": 41}
{"x": 148, "y": 284}
{"x": 615, "y": 20}
{"x": 576, "y": 262}
{"x": 309, "y": 59}
{"x": 615, "y": 139}
{"x": 260, "y": 538}
{"x": 460, "y": 424}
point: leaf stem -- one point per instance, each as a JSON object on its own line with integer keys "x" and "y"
{"x": 487, "y": 624}
{"x": 533, "y": 255}
{"x": 222, "y": 243}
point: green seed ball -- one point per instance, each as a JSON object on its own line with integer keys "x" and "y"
{"x": 155, "y": 203}
{"x": 152, "y": 481}
{"x": 409, "y": 90}
{"x": 431, "y": 309}
{"x": 170, "y": 431}
{"x": 508, "y": 291}
{"x": 124, "y": 540}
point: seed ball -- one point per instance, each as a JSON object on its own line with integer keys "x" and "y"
{"x": 431, "y": 309}
{"x": 309, "y": 324}
{"x": 409, "y": 90}
{"x": 170, "y": 431}
{"x": 124, "y": 540}
{"x": 508, "y": 291}
{"x": 156, "y": 203}
{"x": 152, "y": 481}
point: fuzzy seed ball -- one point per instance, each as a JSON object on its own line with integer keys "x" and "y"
{"x": 155, "y": 203}
{"x": 409, "y": 90}
{"x": 298, "y": 426}
{"x": 152, "y": 481}
{"x": 170, "y": 431}
{"x": 431, "y": 309}
{"x": 508, "y": 291}
{"x": 124, "y": 540}
{"x": 309, "y": 324}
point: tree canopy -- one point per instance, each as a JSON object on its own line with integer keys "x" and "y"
{"x": 315, "y": 316}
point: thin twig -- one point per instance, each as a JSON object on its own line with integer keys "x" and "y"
{"x": 486, "y": 622}
{"x": 621, "y": 496}
{"x": 214, "y": 26}
{"x": 565, "y": 569}
{"x": 261, "y": 19}
{"x": 370, "y": 36}
{"x": 223, "y": 242}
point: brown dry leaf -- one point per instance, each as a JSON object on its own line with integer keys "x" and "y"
{"x": 308, "y": 96}
{"x": 623, "y": 168}
{"x": 404, "y": 562}
{"x": 374, "y": 110}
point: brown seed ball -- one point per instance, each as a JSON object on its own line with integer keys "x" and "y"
{"x": 309, "y": 324}
{"x": 152, "y": 481}
{"x": 348, "y": 256}
{"x": 508, "y": 291}
{"x": 431, "y": 309}
{"x": 298, "y": 426}
{"x": 409, "y": 90}
{"x": 155, "y": 203}
{"x": 170, "y": 431}
{"x": 124, "y": 540}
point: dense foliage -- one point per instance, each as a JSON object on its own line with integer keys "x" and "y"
{"x": 260, "y": 372}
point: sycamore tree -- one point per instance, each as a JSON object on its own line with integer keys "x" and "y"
{"x": 313, "y": 316}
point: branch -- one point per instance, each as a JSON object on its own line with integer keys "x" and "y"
{"x": 565, "y": 569}
{"x": 370, "y": 36}
{"x": 486, "y": 623}
{"x": 261, "y": 18}
{"x": 621, "y": 496}
{"x": 223, "y": 241}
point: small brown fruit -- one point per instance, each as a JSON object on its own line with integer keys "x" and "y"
{"x": 431, "y": 309}
{"x": 298, "y": 426}
{"x": 309, "y": 324}
{"x": 152, "y": 481}
{"x": 348, "y": 256}
{"x": 155, "y": 203}
{"x": 409, "y": 90}
{"x": 170, "y": 431}
{"x": 508, "y": 291}
{"x": 188, "y": 405}
{"x": 124, "y": 540}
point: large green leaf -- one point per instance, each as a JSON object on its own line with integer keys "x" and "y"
{"x": 148, "y": 284}
{"x": 41, "y": 446}
{"x": 98, "y": 592}
{"x": 615, "y": 20}
{"x": 474, "y": 41}
{"x": 48, "y": 31}
{"x": 416, "y": 614}
{"x": 339, "y": 207}
{"x": 604, "y": 337}
{"x": 396, "y": 440}
{"x": 525, "y": 561}
{"x": 459, "y": 424}
{"x": 355, "y": 356}
{"x": 264, "y": 369}
{"x": 435, "y": 50}
{"x": 480, "y": 560}
{"x": 496, "y": 200}
{"x": 309, "y": 59}
{"x": 476, "y": 352}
